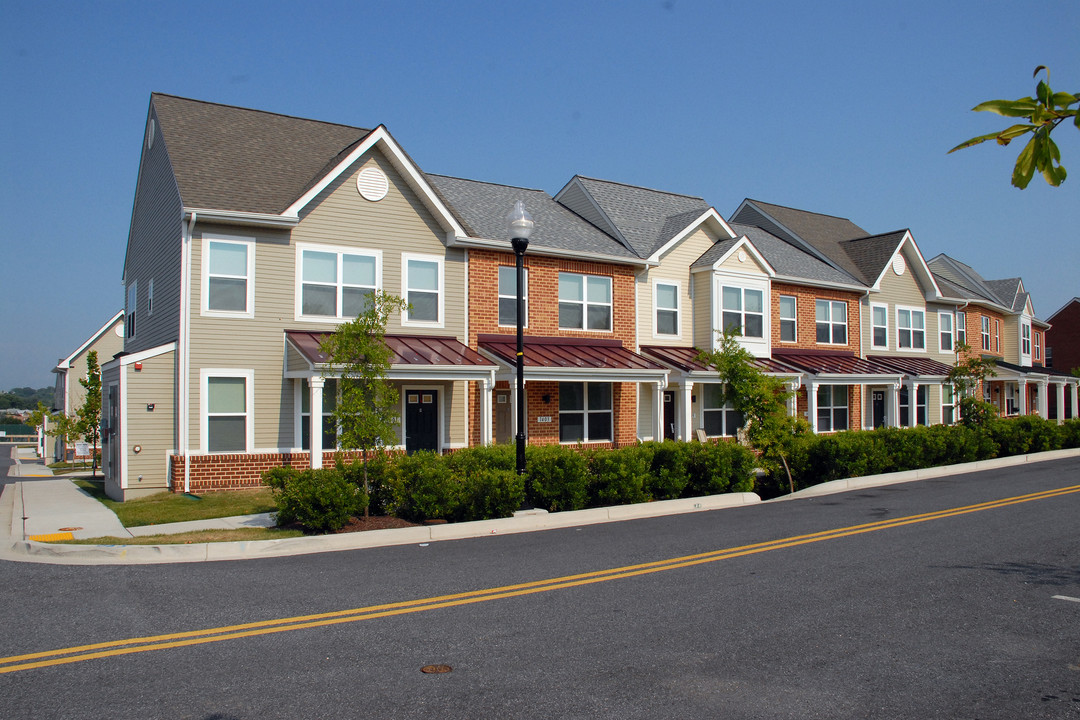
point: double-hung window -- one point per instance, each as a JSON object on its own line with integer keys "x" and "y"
{"x": 666, "y": 304}
{"x": 336, "y": 283}
{"x": 788, "y": 319}
{"x": 130, "y": 313}
{"x": 948, "y": 404}
{"x": 921, "y": 396}
{"x": 985, "y": 333}
{"x": 585, "y": 412}
{"x": 226, "y": 418}
{"x": 832, "y": 408}
{"x": 910, "y": 329}
{"x": 1012, "y": 405}
{"x": 831, "y": 316}
{"x": 508, "y": 296}
{"x": 584, "y": 302}
{"x": 744, "y": 311}
{"x": 1038, "y": 346}
{"x": 329, "y": 427}
{"x": 1025, "y": 338}
{"x": 718, "y": 419}
{"x": 945, "y": 331}
{"x": 879, "y": 321}
{"x": 961, "y": 328}
{"x": 997, "y": 335}
{"x": 423, "y": 281}
{"x": 228, "y": 277}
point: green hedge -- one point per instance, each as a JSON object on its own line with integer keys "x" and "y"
{"x": 816, "y": 459}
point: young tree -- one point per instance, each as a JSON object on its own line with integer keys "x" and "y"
{"x": 969, "y": 372}
{"x": 89, "y": 424}
{"x": 760, "y": 398}
{"x": 367, "y": 410}
{"x": 1043, "y": 113}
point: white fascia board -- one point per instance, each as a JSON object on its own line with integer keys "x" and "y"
{"x": 411, "y": 173}
{"x": 125, "y": 360}
{"x": 236, "y": 217}
{"x": 65, "y": 364}
{"x": 709, "y": 216}
{"x": 504, "y": 246}
{"x": 837, "y": 379}
{"x": 578, "y": 375}
{"x": 408, "y": 372}
{"x": 794, "y": 280}
{"x": 923, "y": 270}
{"x": 744, "y": 242}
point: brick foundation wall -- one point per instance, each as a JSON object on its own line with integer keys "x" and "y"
{"x": 237, "y": 471}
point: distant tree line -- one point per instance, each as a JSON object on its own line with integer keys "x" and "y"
{"x": 26, "y": 398}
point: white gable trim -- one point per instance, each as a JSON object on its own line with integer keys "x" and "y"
{"x": 922, "y": 269}
{"x": 65, "y": 364}
{"x": 744, "y": 242}
{"x": 381, "y": 137}
{"x": 705, "y": 217}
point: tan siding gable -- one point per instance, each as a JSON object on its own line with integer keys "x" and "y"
{"x": 674, "y": 266}
{"x": 748, "y": 266}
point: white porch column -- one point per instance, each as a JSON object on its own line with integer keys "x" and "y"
{"x": 658, "y": 415}
{"x": 913, "y": 404}
{"x": 811, "y": 404}
{"x": 1023, "y": 399}
{"x": 1074, "y": 390}
{"x": 315, "y": 423}
{"x": 895, "y": 410}
{"x": 486, "y": 387}
{"x": 1043, "y": 403}
{"x": 513, "y": 407}
{"x": 1060, "y": 402}
{"x": 793, "y": 401}
{"x": 686, "y": 414}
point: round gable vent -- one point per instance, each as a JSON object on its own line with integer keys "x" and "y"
{"x": 898, "y": 265}
{"x": 372, "y": 184}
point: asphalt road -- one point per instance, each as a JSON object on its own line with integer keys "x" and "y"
{"x": 951, "y": 615}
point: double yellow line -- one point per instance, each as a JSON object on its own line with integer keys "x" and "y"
{"x": 16, "y": 663}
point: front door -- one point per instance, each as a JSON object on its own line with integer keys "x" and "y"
{"x": 503, "y": 419}
{"x": 421, "y": 420}
{"x": 878, "y": 402}
{"x": 112, "y": 451}
{"x": 669, "y": 415}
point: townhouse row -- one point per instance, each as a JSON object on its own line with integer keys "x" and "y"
{"x": 255, "y": 234}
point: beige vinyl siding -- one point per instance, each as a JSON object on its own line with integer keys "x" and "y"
{"x": 748, "y": 267}
{"x": 675, "y": 267}
{"x": 294, "y": 361}
{"x": 152, "y": 431}
{"x": 341, "y": 218}
{"x": 106, "y": 345}
{"x": 703, "y": 325}
{"x": 646, "y": 402}
{"x": 904, "y": 291}
{"x": 154, "y": 249}
{"x": 1010, "y": 338}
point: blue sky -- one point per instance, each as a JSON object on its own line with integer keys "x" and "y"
{"x": 844, "y": 108}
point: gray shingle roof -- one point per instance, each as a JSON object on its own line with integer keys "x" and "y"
{"x": 960, "y": 275}
{"x": 482, "y": 209}
{"x": 231, "y": 158}
{"x": 1008, "y": 290}
{"x": 787, "y": 259}
{"x": 646, "y": 218}
{"x": 872, "y": 254}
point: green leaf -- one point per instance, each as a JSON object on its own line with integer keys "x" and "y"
{"x": 1009, "y": 108}
{"x": 1043, "y": 92}
{"x": 1025, "y": 165}
{"x": 1063, "y": 99}
{"x": 1041, "y": 67}
{"x": 974, "y": 141}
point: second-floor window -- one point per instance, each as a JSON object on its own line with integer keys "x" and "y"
{"x": 788, "y": 319}
{"x": 945, "y": 332}
{"x": 997, "y": 335}
{"x": 508, "y": 295}
{"x": 336, "y": 284}
{"x": 910, "y": 329}
{"x": 1038, "y": 346}
{"x": 744, "y": 310}
{"x": 423, "y": 282}
{"x": 1025, "y": 339}
{"x": 831, "y": 318}
{"x": 985, "y": 333}
{"x": 961, "y": 328}
{"x": 880, "y": 326}
{"x": 227, "y": 282}
{"x": 584, "y": 302}
{"x": 666, "y": 301}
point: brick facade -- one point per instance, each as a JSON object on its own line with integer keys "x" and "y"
{"x": 235, "y": 471}
{"x": 1063, "y": 337}
{"x": 806, "y": 316}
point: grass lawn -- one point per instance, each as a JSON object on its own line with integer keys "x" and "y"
{"x": 200, "y": 536}
{"x": 167, "y": 507}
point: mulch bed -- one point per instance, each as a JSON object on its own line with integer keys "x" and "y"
{"x": 360, "y": 524}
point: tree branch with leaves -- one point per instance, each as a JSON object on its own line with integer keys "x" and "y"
{"x": 969, "y": 372}
{"x": 1044, "y": 112}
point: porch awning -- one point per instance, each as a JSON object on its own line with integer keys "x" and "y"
{"x": 685, "y": 359}
{"x": 573, "y": 359}
{"x": 837, "y": 367}
{"x": 413, "y": 357}
{"x": 912, "y": 366}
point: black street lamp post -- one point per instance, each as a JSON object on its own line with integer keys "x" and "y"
{"x": 521, "y": 226}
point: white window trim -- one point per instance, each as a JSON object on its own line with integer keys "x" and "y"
{"x": 794, "y": 319}
{"x": 678, "y": 310}
{"x": 339, "y": 250}
{"x": 885, "y": 307}
{"x": 585, "y": 303}
{"x": 724, "y": 409}
{"x": 997, "y": 336}
{"x": 131, "y": 311}
{"x": 302, "y": 386}
{"x": 984, "y": 332}
{"x": 585, "y": 412}
{"x": 1036, "y": 343}
{"x": 831, "y": 408}
{"x": 954, "y": 405}
{"x": 204, "y": 302}
{"x": 959, "y": 327}
{"x": 499, "y": 296}
{"x": 249, "y": 404}
{"x": 441, "y": 262}
{"x": 952, "y": 332}
{"x": 911, "y": 329}
{"x": 1026, "y": 325}
{"x": 831, "y": 323}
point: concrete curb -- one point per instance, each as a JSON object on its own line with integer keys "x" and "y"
{"x": 30, "y": 551}
{"x": 838, "y": 486}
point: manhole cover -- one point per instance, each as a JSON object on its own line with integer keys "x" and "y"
{"x": 435, "y": 669}
{"x": 70, "y": 529}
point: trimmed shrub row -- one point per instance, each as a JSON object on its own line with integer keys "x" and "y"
{"x": 816, "y": 459}
{"x": 481, "y": 483}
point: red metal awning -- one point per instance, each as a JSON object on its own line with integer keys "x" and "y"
{"x": 407, "y": 350}
{"x": 914, "y": 366}
{"x": 832, "y": 362}
{"x": 571, "y": 353}
{"x": 686, "y": 360}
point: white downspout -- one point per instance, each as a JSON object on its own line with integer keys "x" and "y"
{"x": 185, "y": 354}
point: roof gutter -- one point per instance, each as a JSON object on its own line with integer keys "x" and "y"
{"x": 235, "y": 217}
